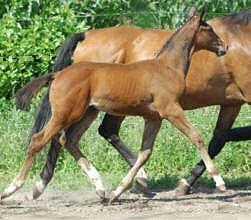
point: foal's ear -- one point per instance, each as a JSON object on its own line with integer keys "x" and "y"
{"x": 192, "y": 12}
{"x": 202, "y": 13}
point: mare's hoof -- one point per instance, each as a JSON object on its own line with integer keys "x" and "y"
{"x": 36, "y": 193}
{"x": 182, "y": 188}
{"x": 142, "y": 184}
{"x": 221, "y": 188}
{"x": 113, "y": 198}
{"x": 101, "y": 194}
{"x": 38, "y": 189}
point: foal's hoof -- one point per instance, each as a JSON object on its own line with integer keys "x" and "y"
{"x": 142, "y": 184}
{"x": 6, "y": 193}
{"x": 182, "y": 188}
{"x": 221, "y": 188}
{"x": 113, "y": 198}
{"x": 101, "y": 194}
{"x": 3, "y": 196}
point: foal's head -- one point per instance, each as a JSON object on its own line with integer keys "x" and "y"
{"x": 207, "y": 39}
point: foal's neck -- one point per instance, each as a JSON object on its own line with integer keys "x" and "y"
{"x": 177, "y": 51}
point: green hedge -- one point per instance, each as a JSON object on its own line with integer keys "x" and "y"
{"x": 33, "y": 30}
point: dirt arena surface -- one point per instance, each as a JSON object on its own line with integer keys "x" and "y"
{"x": 204, "y": 204}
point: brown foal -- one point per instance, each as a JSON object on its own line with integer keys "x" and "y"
{"x": 151, "y": 89}
{"x": 225, "y": 81}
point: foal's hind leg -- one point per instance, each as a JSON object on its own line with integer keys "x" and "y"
{"x": 38, "y": 141}
{"x": 109, "y": 129}
{"x": 226, "y": 118}
{"x": 175, "y": 114}
{"x": 73, "y": 135}
{"x": 151, "y": 130}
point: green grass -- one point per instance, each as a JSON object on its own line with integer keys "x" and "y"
{"x": 173, "y": 155}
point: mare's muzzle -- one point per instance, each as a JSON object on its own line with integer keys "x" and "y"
{"x": 222, "y": 50}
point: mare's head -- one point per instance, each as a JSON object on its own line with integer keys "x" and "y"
{"x": 206, "y": 38}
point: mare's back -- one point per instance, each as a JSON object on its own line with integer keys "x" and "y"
{"x": 235, "y": 29}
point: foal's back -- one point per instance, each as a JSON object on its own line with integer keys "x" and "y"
{"x": 120, "y": 89}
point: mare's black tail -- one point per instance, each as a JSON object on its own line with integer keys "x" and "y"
{"x": 63, "y": 60}
{"x": 65, "y": 54}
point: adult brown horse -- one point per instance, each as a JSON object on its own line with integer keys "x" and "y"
{"x": 225, "y": 81}
{"x": 151, "y": 89}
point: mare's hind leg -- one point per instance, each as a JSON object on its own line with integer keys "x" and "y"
{"x": 226, "y": 118}
{"x": 38, "y": 141}
{"x": 175, "y": 114}
{"x": 109, "y": 129}
{"x": 48, "y": 169}
{"x": 73, "y": 135}
{"x": 151, "y": 130}
{"x": 239, "y": 134}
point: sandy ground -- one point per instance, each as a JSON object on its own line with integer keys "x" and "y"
{"x": 204, "y": 204}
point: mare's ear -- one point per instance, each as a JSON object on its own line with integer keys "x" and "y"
{"x": 192, "y": 12}
{"x": 202, "y": 13}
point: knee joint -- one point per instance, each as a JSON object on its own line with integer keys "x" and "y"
{"x": 218, "y": 134}
{"x": 30, "y": 151}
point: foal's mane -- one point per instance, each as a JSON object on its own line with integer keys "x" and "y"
{"x": 242, "y": 17}
{"x": 168, "y": 44}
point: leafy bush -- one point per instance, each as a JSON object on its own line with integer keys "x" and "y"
{"x": 27, "y": 51}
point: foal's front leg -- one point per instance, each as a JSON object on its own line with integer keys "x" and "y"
{"x": 151, "y": 130}
{"x": 175, "y": 114}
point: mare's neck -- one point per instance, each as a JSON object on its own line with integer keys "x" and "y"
{"x": 178, "y": 50}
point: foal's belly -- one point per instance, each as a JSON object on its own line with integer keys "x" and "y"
{"x": 124, "y": 108}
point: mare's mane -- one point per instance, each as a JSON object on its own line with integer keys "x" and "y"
{"x": 243, "y": 17}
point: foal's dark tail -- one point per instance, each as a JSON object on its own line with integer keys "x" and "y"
{"x": 24, "y": 95}
{"x": 63, "y": 60}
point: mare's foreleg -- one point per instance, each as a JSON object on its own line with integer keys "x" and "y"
{"x": 151, "y": 130}
{"x": 38, "y": 141}
{"x": 109, "y": 129}
{"x": 226, "y": 118}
